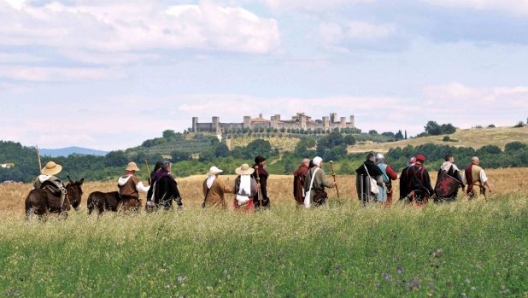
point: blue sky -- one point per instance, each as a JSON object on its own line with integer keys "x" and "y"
{"x": 110, "y": 74}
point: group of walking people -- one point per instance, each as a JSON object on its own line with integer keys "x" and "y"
{"x": 374, "y": 181}
{"x": 250, "y": 187}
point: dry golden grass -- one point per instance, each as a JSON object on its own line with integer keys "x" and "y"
{"x": 505, "y": 182}
{"x": 474, "y": 137}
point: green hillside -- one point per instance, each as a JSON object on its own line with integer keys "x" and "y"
{"x": 474, "y": 137}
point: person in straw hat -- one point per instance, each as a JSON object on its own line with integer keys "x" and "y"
{"x": 47, "y": 179}
{"x": 214, "y": 189}
{"x": 129, "y": 187}
{"x": 245, "y": 188}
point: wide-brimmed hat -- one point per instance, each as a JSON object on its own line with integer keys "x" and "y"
{"x": 244, "y": 170}
{"x": 213, "y": 171}
{"x": 132, "y": 166}
{"x": 51, "y": 168}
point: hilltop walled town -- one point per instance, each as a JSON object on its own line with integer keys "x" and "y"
{"x": 299, "y": 121}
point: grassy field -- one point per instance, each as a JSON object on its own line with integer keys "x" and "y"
{"x": 474, "y": 137}
{"x": 473, "y": 248}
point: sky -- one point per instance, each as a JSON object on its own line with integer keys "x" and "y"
{"x": 110, "y": 74}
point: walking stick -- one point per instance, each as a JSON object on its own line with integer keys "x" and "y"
{"x": 333, "y": 175}
{"x": 148, "y": 171}
{"x": 38, "y": 156}
{"x": 258, "y": 190}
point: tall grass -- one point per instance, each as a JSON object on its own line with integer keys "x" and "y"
{"x": 466, "y": 249}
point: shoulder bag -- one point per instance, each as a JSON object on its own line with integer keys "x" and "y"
{"x": 373, "y": 183}
{"x": 307, "y": 198}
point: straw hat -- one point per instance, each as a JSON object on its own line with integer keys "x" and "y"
{"x": 244, "y": 170}
{"x": 51, "y": 168}
{"x": 213, "y": 171}
{"x": 132, "y": 166}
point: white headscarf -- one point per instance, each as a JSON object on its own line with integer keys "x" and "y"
{"x": 317, "y": 161}
{"x": 245, "y": 185}
{"x": 210, "y": 180}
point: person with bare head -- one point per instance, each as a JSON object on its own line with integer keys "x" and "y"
{"x": 448, "y": 181}
{"x": 475, "y": 176}
{"x": 366, "y": 171}
{"x": 298, "y": 181}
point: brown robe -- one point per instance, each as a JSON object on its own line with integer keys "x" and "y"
{"x": 216, "y": 194}
{"x": 298, "y": 183}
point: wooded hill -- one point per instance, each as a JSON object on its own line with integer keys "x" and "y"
{"x": 194, "y": 153}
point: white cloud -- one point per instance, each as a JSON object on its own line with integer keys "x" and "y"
{"x": 517, "y": 7}
{"x": 341, "y": 36}
{"x": 486, "y": 97}
{"x": 15, "y": 4}
{"x": 14, "y": 58}
{"x": 367, "y": 31}
{"x": 311, "y": 5}
{"x": 56, "y": 74}
{"x": 105, "y": 58}
{"x": 470, "y": 106}
{"x": 138, "y": 26}
{"x": 331, "y": 34}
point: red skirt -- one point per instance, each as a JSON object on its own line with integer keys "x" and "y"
{"x": 249, "y": 206}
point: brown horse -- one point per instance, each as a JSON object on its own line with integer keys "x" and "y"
{"x": 43, "y": 201}
{"x": 111, "y": 201}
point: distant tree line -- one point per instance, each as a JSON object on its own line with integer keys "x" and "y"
{"x": 193, "y": 154}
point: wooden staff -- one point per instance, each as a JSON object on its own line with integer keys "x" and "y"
{"x": 334, "y": 176}
{"x": 148, "y": 172}
{"x": 38, "y": 156}
{"x": 258, "y": 182}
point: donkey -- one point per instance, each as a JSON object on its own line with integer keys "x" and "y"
{"x": 44, "y": 201}
{"x": 111, "y": 201}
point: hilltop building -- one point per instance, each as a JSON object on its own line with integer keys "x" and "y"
{"x": 299, "y": 121}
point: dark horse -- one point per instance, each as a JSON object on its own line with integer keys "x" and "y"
{"x": 111, "y": 201}
{"x": 43, "y": 201}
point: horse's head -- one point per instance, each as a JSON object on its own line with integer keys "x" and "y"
{"x": 75, "y": 193}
